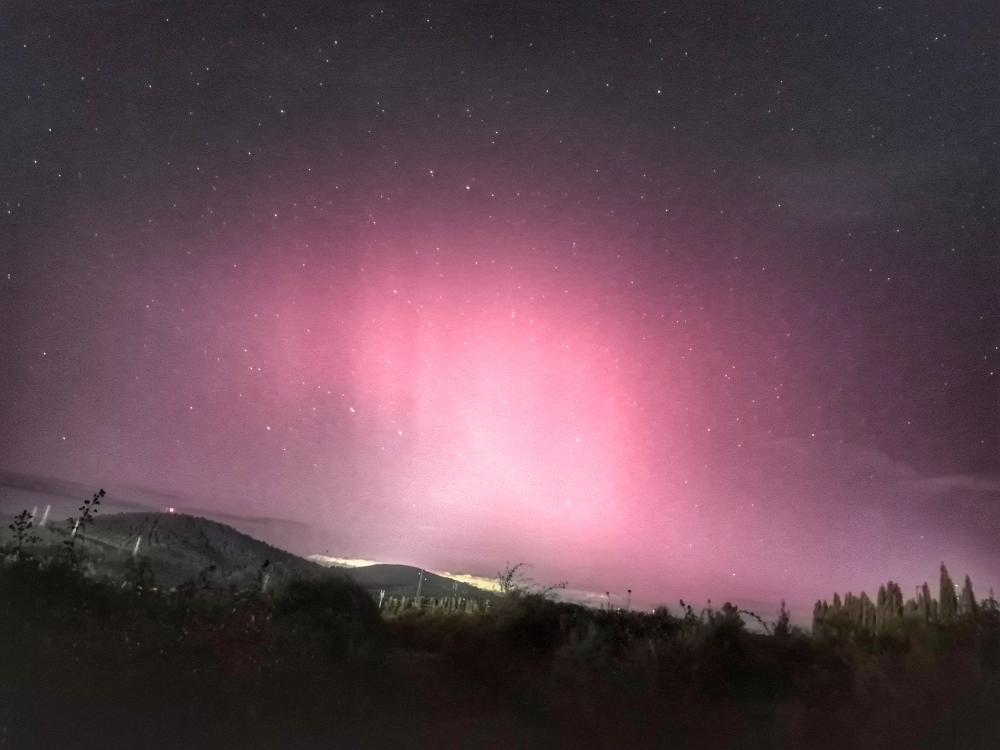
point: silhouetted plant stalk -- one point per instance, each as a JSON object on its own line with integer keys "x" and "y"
{"x": 758, "y": 618}
{"x": 23, "y": 536}
{"x": 512, "y": 581}
{"x": 80, "y": 524}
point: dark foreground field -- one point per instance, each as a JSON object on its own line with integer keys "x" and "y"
{"x": 100, "y": 664}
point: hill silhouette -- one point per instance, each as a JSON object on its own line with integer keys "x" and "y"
{"x": 181, "y": 547}
{"x": 19, "y": 490}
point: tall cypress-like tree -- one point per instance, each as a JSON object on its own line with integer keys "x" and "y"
{"x": 867, "y": 612}
{"x": 967, "y": 604}
{"x": 924, "y": 602}
{"x": 783, "y": 625}
{"x": 948, "y": 604}
{"x": 817, "y": 617}
{"x": 894, "y": 595}
{"x": 880, "y": 609}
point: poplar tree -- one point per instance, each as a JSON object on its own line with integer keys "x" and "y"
{"x": 948, "y": 604}
{"x": 867, "y": 612}
{"x": 881, "y": 609}
{"x": 924, "y": 602}
{"x": 968, "y": 604}
{"x": 783, "y": 625}
{"x": 894, "y": 595}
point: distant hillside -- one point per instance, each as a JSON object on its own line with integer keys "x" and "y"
{"x": 179, "y": 547}
{"x": 402, "y": 580}
{"x": 182, "y": 546}
{"x": 26, "y": 491}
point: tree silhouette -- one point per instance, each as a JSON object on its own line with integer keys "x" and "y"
{"x": 947, "y": 601}
{"x": 783, "y": 625}
{"x": 967, "y": 604}
{"x": 924, "y": 602}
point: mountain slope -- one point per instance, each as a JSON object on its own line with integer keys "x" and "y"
{"x": 181, "y": 547}
{"x": 62, "y": 497}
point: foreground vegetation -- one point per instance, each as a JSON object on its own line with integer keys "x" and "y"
{"x": 89, "y": 660}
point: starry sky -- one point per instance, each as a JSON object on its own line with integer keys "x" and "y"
{"x": 694, "y": 298}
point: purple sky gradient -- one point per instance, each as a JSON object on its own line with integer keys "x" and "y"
{"x": 675, "y": 299}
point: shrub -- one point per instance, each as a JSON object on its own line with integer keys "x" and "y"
{"x": 329, "y": 617}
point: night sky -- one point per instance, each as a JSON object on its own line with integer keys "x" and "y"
{"x": 694, "y": 298}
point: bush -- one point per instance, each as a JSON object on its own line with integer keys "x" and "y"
{"x": 331, "y": 618}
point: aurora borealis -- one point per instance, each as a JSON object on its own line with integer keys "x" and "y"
{"x": 686, "y": 298}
